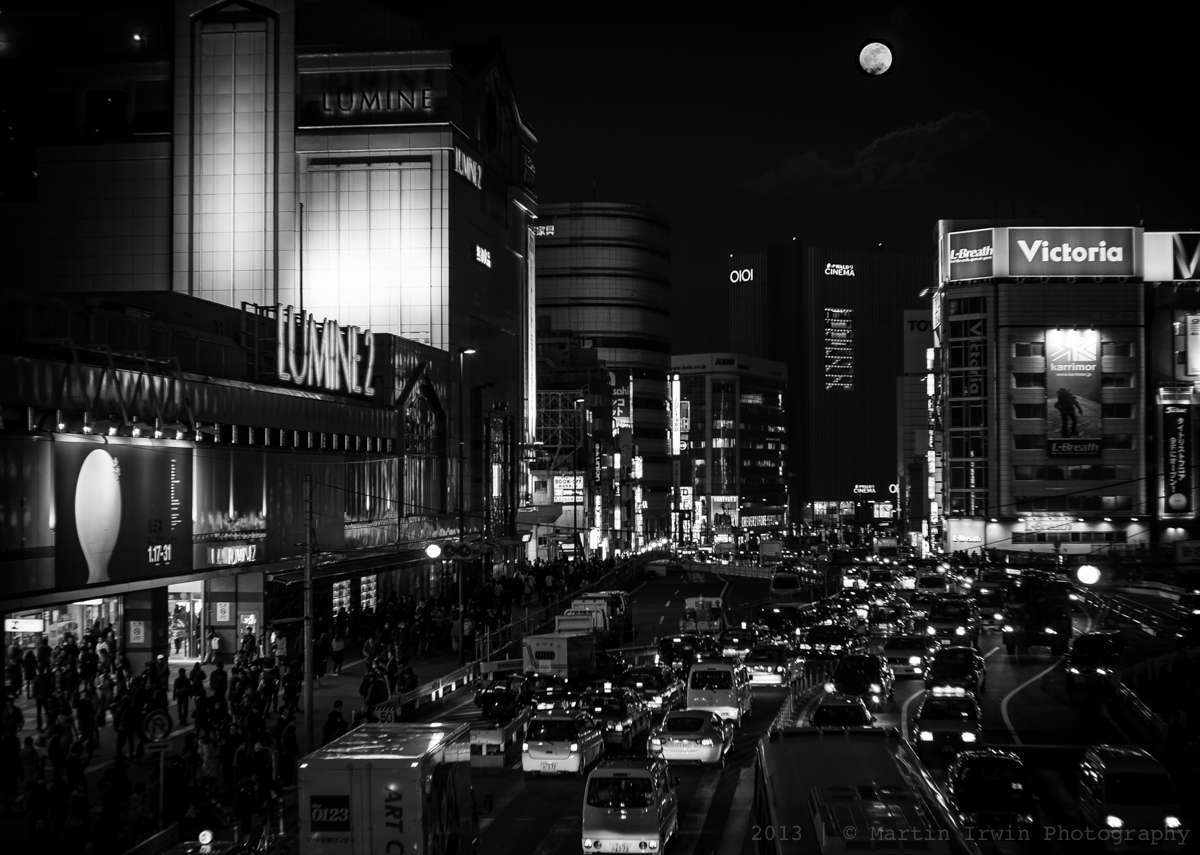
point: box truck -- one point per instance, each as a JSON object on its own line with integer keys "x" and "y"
{"x": 582, "y": 620}
{"x": 389, "y": 788}
{"x": 570, "y": 655}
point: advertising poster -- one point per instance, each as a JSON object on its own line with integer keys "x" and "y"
{"x": 1051, "y": 252}
{"x": 1192, "y": 330}
{"x": 969, "y": 255}
{"x": 1073, "y": 414}
{"x": 1177, "y": 459}
{"x": 123, "y": 510}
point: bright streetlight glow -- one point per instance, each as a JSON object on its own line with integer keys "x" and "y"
{"x": 1088, "y": 574}
{"x": 433, "y": 550}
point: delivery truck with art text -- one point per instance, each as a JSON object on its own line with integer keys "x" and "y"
{"x": 390, "y": 788}
{"x": 570, "y": 655}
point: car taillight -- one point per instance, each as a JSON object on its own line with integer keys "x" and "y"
{"x": 707, "y": 743}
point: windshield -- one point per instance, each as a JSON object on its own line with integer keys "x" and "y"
{"x": 676, "y": 648}
{"x": 605, "y": 705}
{"x": 991, "y": 787}
{"x": 1138, "y": 788}
{"x": 952, "y": 610}
{"x": 552, "y": 730}
{"x": 768, "y": 655}
{"x": 879, "y": 576}
{"x": 949, "y": 709}
{"x": 647, "y": 679}
{"x": 839, "y": 715}
{"x": 545, "y": 686}
{"x": 931, "y": 582}
{"x": 904, "y": 642}
{"x": 854, "y": 668}
{"x": 620, "y": 793}
{"x": 684, "y": 723}
{"x": 1092, "y": 648}
{"x": 785, "y": 580}
{"x": 954, "y": 659}
{"x": 712, "y": 680}
{"x": 734, "y": 639}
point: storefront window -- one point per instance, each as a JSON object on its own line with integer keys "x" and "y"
{"x": 185, "y": 605}
{"x": 367, "y": 589}
{"x": 78, "y": 619}
{"x": 341, "y": 596}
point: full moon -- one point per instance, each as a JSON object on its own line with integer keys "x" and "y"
{"x": 875, "y": 58}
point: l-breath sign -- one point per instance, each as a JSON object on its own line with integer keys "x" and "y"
{"x": 322, "y": 354}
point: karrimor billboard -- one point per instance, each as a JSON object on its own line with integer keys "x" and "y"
{"x": 1073, "y": 383}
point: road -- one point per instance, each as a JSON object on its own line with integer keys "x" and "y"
{"x": 1026, "y": 709}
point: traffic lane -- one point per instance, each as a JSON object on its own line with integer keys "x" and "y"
{"x": 543, "y": 816}
{"x": 658, "y": 604}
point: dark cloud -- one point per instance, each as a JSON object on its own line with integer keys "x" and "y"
{"x": 898, "y": 159}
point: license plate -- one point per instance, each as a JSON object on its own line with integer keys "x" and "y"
{"x": 619, "y": 847}
{"x": 549, "y": 767}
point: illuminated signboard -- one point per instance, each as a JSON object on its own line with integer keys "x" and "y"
{"x": 1177, "y": 460}
{"x": 1192, "y": 333}
{"x": 864, "y": 490}
{"x": 546, "y": 230}
{"x": 1172, "y": 256}
{"x": 24, "y": 625}
{"x": 568, "y": 489}
{"x": 1071, "y": 252}
{"x": 230, "y": 554}
{"x": 832, "y": 269}
{"x": 969, "y": 255}
{"x": 839, "y": 348}
{"x": 322, "y": 354}
{"x": 375, "y": 97}
{"x": 483, "y": 256}
{"x": 1073, "y": 412}
{"x": 746, "y": 274}
{"x": 468, "y": 167}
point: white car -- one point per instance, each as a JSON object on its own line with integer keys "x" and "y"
{"x": 772, "y": 665}
{"x": 692, "y": 736}
{"x": 561, "y": 743}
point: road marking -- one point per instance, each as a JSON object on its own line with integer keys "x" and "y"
{"x": 697, "y": 812}
{"x": 739, "y": 813}
{"x": 661, "y": 618}
{"x": 904, "y": 713}
{"x": 676, "y": 594}
{"x": 667, "y": 604}
{"x": 988, "y": 655}
{"x": 1039, "y": 675}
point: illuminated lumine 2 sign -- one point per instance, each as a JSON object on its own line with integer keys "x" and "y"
{"x": 322, "y": 354}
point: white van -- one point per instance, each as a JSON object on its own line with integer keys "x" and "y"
{"x": 722, "y": 687}
{"x": 629, "y": 806}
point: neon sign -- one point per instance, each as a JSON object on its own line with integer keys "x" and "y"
{"x": 322, "y": 354}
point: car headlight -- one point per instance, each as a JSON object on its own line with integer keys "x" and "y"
{"x": 707, "y": 743}
{"x": 1102, "y": 671}
{"x": 657, "y": 699}
{"x": 997, "y": 616}
{"x": 914, "y": 660}
{"x": 875, "y": 688}
{"x": 654, "y": 740}
{"x": 1051, "y": 631}
{"x": 1171, "y": 821}
{"x": 960, "y": 630}
{"x": 926, "y": 736}
{"x": 1073, "y": 670}
{"x": 618, "y": 727}
{"x": 930, "y": 630}
{"x": 587, "y": 842}
{"x": 1113, "y": 821}
{"x": 1007, "y": 628}
{"x": 524, "y": 746}
{"x": 968, "y": 736}
{"x": 574, "y": 747}
{"x": 652, "y": 845}
{"x": 835, "y": 647}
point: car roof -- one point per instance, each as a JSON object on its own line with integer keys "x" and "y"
{"x": 556, "y": 715}
{"x": 1125, "y": 758}
{"x": 837, "y": 699}
{"x": 989, "y": 754}
{"x": 630, "y": 766}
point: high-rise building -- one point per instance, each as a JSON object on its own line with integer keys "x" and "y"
{"x": 603, "y": 278}
{"x": 833, "y": 317}
{"x": 734, "y": 445}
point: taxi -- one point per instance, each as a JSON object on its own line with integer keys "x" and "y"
{"x": 559, "y": 743}
{"x": 629, "y": 806}
{"x": 622, "y": 714}
{"x": 947, "y": 720}
{"x": 772, "y": 665}
{"x": 659, "y": 687}
{"x": 692, "y": 736}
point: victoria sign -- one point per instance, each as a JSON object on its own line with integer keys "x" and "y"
{"x": 1084, "y": 251}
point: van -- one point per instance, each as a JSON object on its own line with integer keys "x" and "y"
{"x": 722, "y": 687}
{"x": 1122, "y": 786}
{"x": 629, "y": 806}
{"x": 561, "y": 743}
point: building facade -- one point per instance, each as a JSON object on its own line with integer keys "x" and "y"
{"x": 733, "y": 446}
{"x": 274, "y": 243}
{"x": 603, "y": 278}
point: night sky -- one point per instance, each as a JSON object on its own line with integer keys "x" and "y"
{"x": 747, "y": 132}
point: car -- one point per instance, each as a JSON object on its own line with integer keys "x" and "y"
{"x": 890, "y": 618}
{"x": 931, "y": 583}
{"x": 953, "y": 619}
{"x": 678, "y": 652}
{"x": 622, "y": 714}
{"x": 957, "y": 667}
{"x": 1094, "y": 661}
{"x": 1187, "y": 605}
{"x": 722, "y": 687}
{"x": 561, "y": 743}
{"x": 946, "y": 720}
{"x": 610, "y": 664}
{"x": 920, "y": 602}
{"x": 550, "y": 692}
{"x": 831, "y": 641}
{"x": 881, "y": 578}
{"x": 1124, "y": 787}
{"x": 784, "y": 622}
{"x": 629, "y": 806}
{"x": 503, "y": 697}
{"x": 1187, "y": 633}
{"x": 736, "y": 643}
{"x": 909, "y": 655}
{"x": 988, "y": 790}
{"x": 659, "y": 687}
{"x": 692, "y": 736}
{"x": 840, "y": 711}
{"x": 865, "y": 675}
{"x": 772, "y": 665}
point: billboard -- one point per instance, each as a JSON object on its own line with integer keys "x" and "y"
{"x": 969, "y": 255}
{"x": 1073, "y": 387}
{"x": 918, "y": 337}
{"x": 1172, "y": 256}
{"x": 1077, "y": 251}
{"x": 1192, "y": 333}
{"x": 122, "y": 509}
{"x": 1177, "y": 460}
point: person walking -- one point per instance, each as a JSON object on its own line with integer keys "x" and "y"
{"x": 337, "y": 652}
{"x": 213, "y": 652}
{"x": 335, "y": 724}
{"x": 182, "y": 695}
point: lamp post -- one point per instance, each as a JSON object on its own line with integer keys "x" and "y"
{"x": 462, "y": 423}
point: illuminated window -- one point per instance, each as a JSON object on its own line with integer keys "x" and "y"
{"x": 1029, "y": 348}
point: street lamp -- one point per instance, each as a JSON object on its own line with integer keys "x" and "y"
{"x": 462, "y": 422}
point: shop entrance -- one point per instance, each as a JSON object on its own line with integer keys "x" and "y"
{"x": 185, "y": 606}
{"x": 79, "y": 619}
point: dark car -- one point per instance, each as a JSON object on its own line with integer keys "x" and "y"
{"x": 659, "y": 687}
{"x": 503, "y": 697}
{"x": 623, "y": 715}
{"x": 548, "y": 692}
{"x": 909, "y": 655}
{"x": 864, "y": 675}
{"x": 953, "y": 619}
{"x": 837, "y": 711}
{"x": 892, "y": 617}
{"x": 1094, "y": 661}
{"x": 679, "y": 652}
{"x": 946, "y": 721}
{"x": 988, "y": 790}
{"x": 736, "y": 643}
{"x": 610, "y": 664}
{"x": 957, "y": 667}
{"x": 1188, "y": 605}
{"x": 831, "y": 641}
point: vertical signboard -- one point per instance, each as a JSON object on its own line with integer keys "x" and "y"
{"x": 1192, "y": 332}
{"x": 839, "y": 348}
{"x": 968, "y": 255}
{"x": 1177, "y": 460}
{"x": 1073, "y": 414}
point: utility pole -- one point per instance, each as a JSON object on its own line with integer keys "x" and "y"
{"x": 310, "y": 714}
